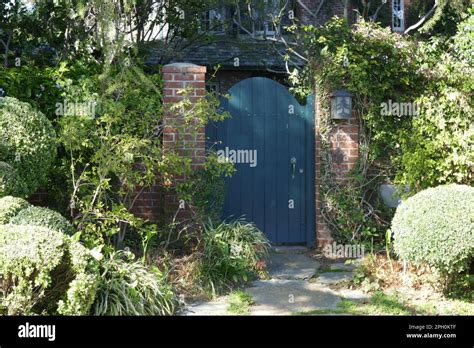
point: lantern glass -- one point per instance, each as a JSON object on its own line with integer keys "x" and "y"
{"x": 341, "y": 105}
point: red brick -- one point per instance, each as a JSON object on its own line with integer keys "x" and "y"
{"x": 174, "y": 84}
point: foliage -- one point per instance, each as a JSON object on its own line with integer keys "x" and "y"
{"x": 113, "y": 153}
{"x": 239, "y": 302}
{"x": 96, "y": 29}
{"x": 9, "y": 207}
{"x": 37, "y": 85}
{"x": 445, "y": 17}
{"x": 10, "y": 182}
{"x": 378, "y": 304}
{"x": 118, "y": 154}
{"x": 44, "y": 272}
{"x": 233, "y": 252}
{"x": 435, "y": 227}
{"x": 438, "y": 148}
{"x": 205, "y": 188}
{"x": 376, "y": 66}
{"x": 43, "y": 217}
{"x": 27, "y": 143}
{"x": 127, "y": 287}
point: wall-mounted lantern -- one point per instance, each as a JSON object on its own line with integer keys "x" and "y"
{"x": 341, "y": 105}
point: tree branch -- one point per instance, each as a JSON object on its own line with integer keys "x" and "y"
{"x": 373, "y": 18}
{"x": 315, "y": 15}
{"x": 423, "y": 19}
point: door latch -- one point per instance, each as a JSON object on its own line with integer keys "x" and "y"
{"x": 293, "y": 166}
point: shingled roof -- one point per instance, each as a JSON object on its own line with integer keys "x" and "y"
{"x": 252, "y": 54}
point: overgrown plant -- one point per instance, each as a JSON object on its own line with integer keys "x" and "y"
{"x": 127, "y": 287}
{"x": 205, "y": 188}
{"x": 376, "y": 66}
{"x": 438, "y": 149}
{"x": 118, "y": 153}
{"x": 232, "y": 252}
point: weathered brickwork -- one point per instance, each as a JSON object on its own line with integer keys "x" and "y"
{"x": 186, "y": 140}
{"x": 344, "y": 151}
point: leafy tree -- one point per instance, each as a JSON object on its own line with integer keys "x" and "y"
{"x": 438, "y": 149}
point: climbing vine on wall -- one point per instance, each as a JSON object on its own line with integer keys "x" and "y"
{"x": 376, "y": 66}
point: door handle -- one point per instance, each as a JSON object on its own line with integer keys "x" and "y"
{"x": 293, "y": 166}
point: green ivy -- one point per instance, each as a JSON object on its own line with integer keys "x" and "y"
{"x": 376, "y": 66}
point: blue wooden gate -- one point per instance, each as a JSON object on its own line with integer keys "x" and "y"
{"x": 270, "y": 138}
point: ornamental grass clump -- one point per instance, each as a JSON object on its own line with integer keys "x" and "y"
{"x": 128, "y": 287}
{"x": 233, "y": 252}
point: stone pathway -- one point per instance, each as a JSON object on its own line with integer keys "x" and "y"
{"x": 296, "y": 285}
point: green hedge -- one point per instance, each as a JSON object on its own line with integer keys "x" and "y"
{"x": 43, "y": 217}
{"x": 436, "y": 227}
{"x": 27, "y": 145}
{"x": 44, "y": 272}
{"x": 10, "y": 182}
{"x": 9, "y": 207}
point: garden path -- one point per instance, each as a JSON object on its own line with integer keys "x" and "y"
{"x": 297, "y": 283}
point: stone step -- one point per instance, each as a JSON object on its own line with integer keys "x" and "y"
{"x": 290, "y": 249}
{"x": 292, "y": 266}
{"x": 332, "y": 277}
{"x": 282, "y": 297}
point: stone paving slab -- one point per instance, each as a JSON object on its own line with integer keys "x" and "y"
{"x": 342, "y": 266}
{"x": 333, "y": 277}
{"x": 292, "y": 266}
{"x": 353, "y": 295}
{"x": 218, "y": 307}
{"x": 290, "y": 249}
{"x": 284, "y": 297}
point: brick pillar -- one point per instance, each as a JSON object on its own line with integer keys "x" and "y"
{"x": 344, "y": 152}
{"x": 344, "y": 144}
{"x": 323, "y": 235}
{"x": 185, "y": 139}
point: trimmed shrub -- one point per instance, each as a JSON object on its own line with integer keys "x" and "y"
{"x": 233, "y": 252}
{"x": 436, "y": 227}
{"x": 9, "y": 207}
{"x": 128, "y": 287}
{"x": 44, "y": 272}
{"x": 27, "y": 144}
{"x": 43, "y": 217}
{"x": 10, "y": 183}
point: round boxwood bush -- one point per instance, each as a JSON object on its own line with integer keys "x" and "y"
{"x": 27, "y": 143}
{"x": 10, "y": 182}
{"x": 44, "y": 217}
{"x": 45, "y": 272}
{"x": 436, "y": 227}
{"x": 9, "y": 207}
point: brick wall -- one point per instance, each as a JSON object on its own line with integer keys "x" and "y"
{"x": 344, "y": 142}
{"x": 344, "y": 151}
{"x": 149, "y": 204}
{"x": 187, "y": 140}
